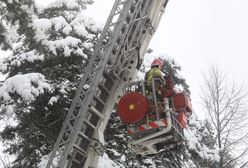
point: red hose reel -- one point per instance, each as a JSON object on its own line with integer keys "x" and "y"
{"x": 132, "y": 107}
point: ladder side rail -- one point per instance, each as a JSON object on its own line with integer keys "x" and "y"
{"x": 138, "y": 33}
{"x": 177, "y": 126}
{"x": 141, "y": 26}
{"x": 90, "y": 161}
{"x": 100, "y": 74}
{"x": 156, "y": 12}
{"x": 106, "y": 32}
{"x": 168, "y": 128}
{"x": 128, "y": 32}
{"x": 93, "y": 156}
{"x": 93, "y": 87}
{"x": 129, "y": 54}
{"x": 113, "y": 93}
{"x": 98, "y": 57}
{"x": 86, "y": 77}
{"x": 145, "y": 39}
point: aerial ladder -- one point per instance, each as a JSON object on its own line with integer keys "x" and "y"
{"x": 117, "y": 57}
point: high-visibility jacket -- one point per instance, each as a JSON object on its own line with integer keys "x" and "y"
{"x": 153, "y": 73}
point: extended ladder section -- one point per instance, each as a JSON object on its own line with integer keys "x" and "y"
{"x": 117, "y": 55}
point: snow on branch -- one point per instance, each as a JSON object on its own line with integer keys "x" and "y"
{"x": 81, "y": 22}
{"x": 60, "y": 3}
{"x": 194, "y": 141}
{"x": 106, "y": 162}
{"x": 28, "y": 86}
{"x": 29, "y": 56}
{"x": 81, "y": 26}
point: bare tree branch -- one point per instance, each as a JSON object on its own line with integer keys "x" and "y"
{"x": 225, "y": 104}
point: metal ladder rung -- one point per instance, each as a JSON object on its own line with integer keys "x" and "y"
{"x": 84, "y": 142}
{"x": 84, "y": 136}
{"x": 101, "y": 87}
{"x": 100, "y": 100}
{"x": 76, "y": 161}
{"x": 81, "y": 151}
{"x": 91, "y": 125}
{"x": 177, "y": 127}
{"x": 95, "y": 111}
{"x": 123, "y": 12}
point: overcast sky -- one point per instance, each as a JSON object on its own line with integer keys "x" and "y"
{"x": 196, "y": 33}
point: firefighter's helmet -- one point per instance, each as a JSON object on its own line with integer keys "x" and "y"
{"x": 157, "y": 63}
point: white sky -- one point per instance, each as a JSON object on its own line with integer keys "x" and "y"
{"x": 196, "y": 33}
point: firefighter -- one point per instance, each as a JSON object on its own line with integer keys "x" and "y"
{"x": 155, "y": 74}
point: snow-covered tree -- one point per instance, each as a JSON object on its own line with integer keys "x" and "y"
{"x": 43, "y": 73}
{"x": 201, "y": 148}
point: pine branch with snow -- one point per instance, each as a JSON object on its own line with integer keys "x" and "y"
{"x": 42, "y": 74}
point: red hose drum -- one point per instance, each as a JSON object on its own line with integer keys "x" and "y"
{"x": 132, "y": 107}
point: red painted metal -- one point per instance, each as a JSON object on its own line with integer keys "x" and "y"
{"x": 132, "y": 107}
{"x": 150, "y": 125}
{"x": 182, "y": 119}
{"x": 181, "y": 102}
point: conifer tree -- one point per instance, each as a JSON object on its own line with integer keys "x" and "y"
{"x": 43, "y": 73}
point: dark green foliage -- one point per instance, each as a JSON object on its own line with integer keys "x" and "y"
{"x": 39, "y": 121}
{"x": 17, "y": 15}
{"x": 172, "y": 69}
